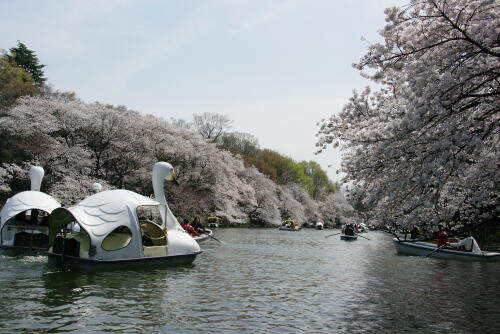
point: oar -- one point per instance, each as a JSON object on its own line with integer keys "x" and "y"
{"x": 331, "y": 235}
{"x": 363, "y": 237}
{"x": 215, "y": 239}
{"x": 434, "y": 251}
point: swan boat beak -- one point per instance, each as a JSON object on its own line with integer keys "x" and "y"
{"x": 173, "y": 178}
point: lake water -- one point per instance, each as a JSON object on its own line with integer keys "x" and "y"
{"x": 259, "y": 281}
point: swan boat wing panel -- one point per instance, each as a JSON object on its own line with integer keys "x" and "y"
{"x": 27, "y": 200}
{"x": 101, "y": 213}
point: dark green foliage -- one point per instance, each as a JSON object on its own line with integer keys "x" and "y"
{"x": 277, "y": 167}
{"x": 319, "y": 182}
{"x": 14, "y": 83}
{"x": 307, "y": 174}
{"x": 261, "y": 166}
{"x": 27, "y": 60}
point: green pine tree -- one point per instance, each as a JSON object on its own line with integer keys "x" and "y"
{"x": 27, "y": 60}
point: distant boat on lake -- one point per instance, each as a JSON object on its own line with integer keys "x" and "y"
{"x": 290, "y": 225}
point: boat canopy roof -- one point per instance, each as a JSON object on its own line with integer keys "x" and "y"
{"x": 27, "y": 200}
{"x": 101, "y": 213}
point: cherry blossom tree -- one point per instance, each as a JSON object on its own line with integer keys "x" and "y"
{"x": 335, "y": 209}
{"x": 425, "y": 146}
{"x": 266, "y": 209}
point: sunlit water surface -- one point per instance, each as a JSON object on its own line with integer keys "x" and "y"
{"x": 259, "y": 281}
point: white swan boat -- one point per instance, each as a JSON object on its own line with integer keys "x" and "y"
{"x": 204, "y": 236}
{"x": 421, "y": 248}
{"x": 104, "y": 231}
{"x": 24, "y": 226}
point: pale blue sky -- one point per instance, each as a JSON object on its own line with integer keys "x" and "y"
{"x": 274, "y": 67}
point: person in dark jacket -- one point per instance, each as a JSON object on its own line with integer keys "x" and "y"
{"x": 414, "y": 233}
{"x": 197, "y": 225}
{"x": 349, "y": 230}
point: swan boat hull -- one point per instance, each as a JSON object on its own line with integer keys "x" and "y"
{"x": 204, "y": 237}
{"x": 82, "y": 263}
{"x": 22, "y": 251}
{"x": 348, "y": 237}
{"x": 424, "y": 249}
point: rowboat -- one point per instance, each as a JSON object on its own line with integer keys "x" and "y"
{"x": 204, "y": 236}
{"x": 422, "y": 248}
{"x": 348, "y": 237}
{"x": 105, "y": 231}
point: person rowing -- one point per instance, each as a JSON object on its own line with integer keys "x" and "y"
{"x": 198, "y": 226}
{"x": 189, "y": 229}
{"x": 442, "y": 237}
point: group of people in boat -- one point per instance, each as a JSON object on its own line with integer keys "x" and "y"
{"x": 195, "y": 228}
{"x": 467, "y": 244}
{"x": 351, "y": 229}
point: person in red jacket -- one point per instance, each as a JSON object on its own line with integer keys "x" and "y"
{"x": 443, "y": 238}
{"x": 189, "y": 229}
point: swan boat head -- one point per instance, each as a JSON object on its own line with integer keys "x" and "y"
{"x": 32, "y": 199}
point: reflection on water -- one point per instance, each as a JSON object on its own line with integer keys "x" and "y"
{"x": 260, "y": 281}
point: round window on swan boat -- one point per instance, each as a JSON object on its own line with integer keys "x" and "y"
{"x": 117, "y": 239}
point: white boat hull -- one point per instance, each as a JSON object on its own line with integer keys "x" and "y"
{"x": 204, "y": 237}
{"x": 424, "y": 249}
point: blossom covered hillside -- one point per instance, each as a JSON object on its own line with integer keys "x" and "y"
{"x": 80, "y": 143}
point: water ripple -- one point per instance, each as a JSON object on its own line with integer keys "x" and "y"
{"x": 259, "y": 281}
